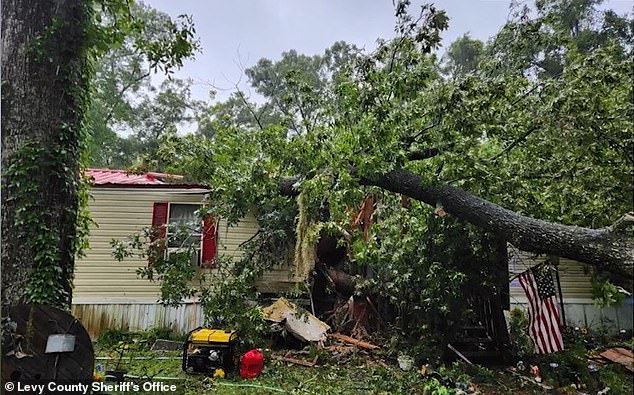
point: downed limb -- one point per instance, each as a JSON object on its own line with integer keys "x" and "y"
{"x": 606, "y": 250}
{"x": 296, "y": 361}
{"x": 458, "y": 353}
{"x": 529, "y": 380}
{"x": 353, "y": 341}
{"x": 623, "y": 222}
{"x": 598, "y": 247}
{"x": 422, "y": 154}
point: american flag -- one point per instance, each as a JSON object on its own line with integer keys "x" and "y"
{"x": 544, "y": 325}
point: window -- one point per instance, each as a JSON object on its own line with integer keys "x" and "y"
{"x": 184, "y": 230}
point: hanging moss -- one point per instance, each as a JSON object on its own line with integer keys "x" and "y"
{"x": 305, "y": 244}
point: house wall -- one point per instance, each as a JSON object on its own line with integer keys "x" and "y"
{"x": 576, "y": 288}
{"x": 108, "y": 293}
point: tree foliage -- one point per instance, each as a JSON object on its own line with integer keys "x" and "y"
{"x": 538, "y": 121}
{"x": 463, "y": 56}
{"x": 128, "y": 110}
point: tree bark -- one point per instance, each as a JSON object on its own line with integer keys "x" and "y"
{"x": 44, "y": 94}
{"x": 598, "y": 247}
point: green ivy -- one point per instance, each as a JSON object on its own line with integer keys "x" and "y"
{"x": 103, "y": 25}
{"x": 46, "y": 281}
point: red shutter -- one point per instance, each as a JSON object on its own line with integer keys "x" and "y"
{"x": 159, "y": 220}
{"x": 159, "y": 217}
{"x": 209, "y": 242}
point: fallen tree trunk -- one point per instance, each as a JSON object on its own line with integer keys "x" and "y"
{"x": 598, "y": 247}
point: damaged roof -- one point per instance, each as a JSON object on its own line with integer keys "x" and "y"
{"x": 114, "y": 178}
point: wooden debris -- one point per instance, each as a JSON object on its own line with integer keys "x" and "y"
{"x": 301, "y": 324}
{"x": 620, "y": 355}
{"x": 352, "y": 340}
{"x": 296, "y": 361}
{"x": 529, "y": 380}
{"x": 166, "y": 345}
{"x": 364, "y": 218}
{"x": 597, "y": 360}
{"x": 376, "y": 312}
{"x": 458, "y": 353}
{"x": 340, "y": 349}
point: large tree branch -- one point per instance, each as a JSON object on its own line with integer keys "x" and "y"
{"x": 250, "y": 109}
{"x": 517, "y": 141}
{"x": 288, "y": 185}
{"x": 424, "y": 153}
{"x": 598, "y": 247}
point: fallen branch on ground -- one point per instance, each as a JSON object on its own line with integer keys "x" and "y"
{"x": 351, "y": 340}
{"x": 296, "y": 361}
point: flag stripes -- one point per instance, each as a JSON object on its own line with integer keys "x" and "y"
{"x": 544, "y": 319}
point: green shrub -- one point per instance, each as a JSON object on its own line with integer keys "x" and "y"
{"x": 113, "y": 338}
{"x": 521, "y": 344}
{"x": 615, "y": 377}
{"x": 110, "y": 338}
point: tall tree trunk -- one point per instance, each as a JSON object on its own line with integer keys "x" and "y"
{"x": 44, "y": 94}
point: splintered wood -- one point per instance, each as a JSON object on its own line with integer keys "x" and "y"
{"x": 351, "y": 340}
{"x": 620, "y": 355}
{"x": 296, "y": 361}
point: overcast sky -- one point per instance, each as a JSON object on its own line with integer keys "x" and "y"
{"x": 235, "y": 32}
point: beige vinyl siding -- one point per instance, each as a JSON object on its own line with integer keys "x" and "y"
{"x": 230, "y": 240}
{"x": 120, "y": 212}
{"x": 576, "y": 284}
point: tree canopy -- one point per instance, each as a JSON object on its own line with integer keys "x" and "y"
{"x": 526, "y": 139}
{"x": 550, "y": 145}
{"x": 129, "y": 111}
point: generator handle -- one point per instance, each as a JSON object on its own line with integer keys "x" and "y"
{"x": 186, "y": 346}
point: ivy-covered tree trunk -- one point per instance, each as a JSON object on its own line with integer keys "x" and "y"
{"x": 44, "y": 94}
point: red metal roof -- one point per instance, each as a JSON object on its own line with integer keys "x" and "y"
{"x": 122, "y": 177}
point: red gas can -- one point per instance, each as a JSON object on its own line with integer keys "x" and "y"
{"x": 251, "y": 364}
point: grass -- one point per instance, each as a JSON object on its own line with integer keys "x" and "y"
{"x": 355, "y": 376}
{"x": 356, "y": 373}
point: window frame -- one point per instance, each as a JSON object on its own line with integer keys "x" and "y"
{"x": 199, "y": 249}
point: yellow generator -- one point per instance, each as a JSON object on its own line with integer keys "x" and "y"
{"x": 210, "y": 351}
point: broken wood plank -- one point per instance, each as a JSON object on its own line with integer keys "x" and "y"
{"x": 458, "y": 353}
{"x": 620, "y": 355}
{"x": 352, "y": 340}
{"x": 624, "y": 351}
{"x": 296, "y": 361}
{"x": 166, "y": 345}
{"x": 340, "y": 349}
{"x": 529, "y": 380}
